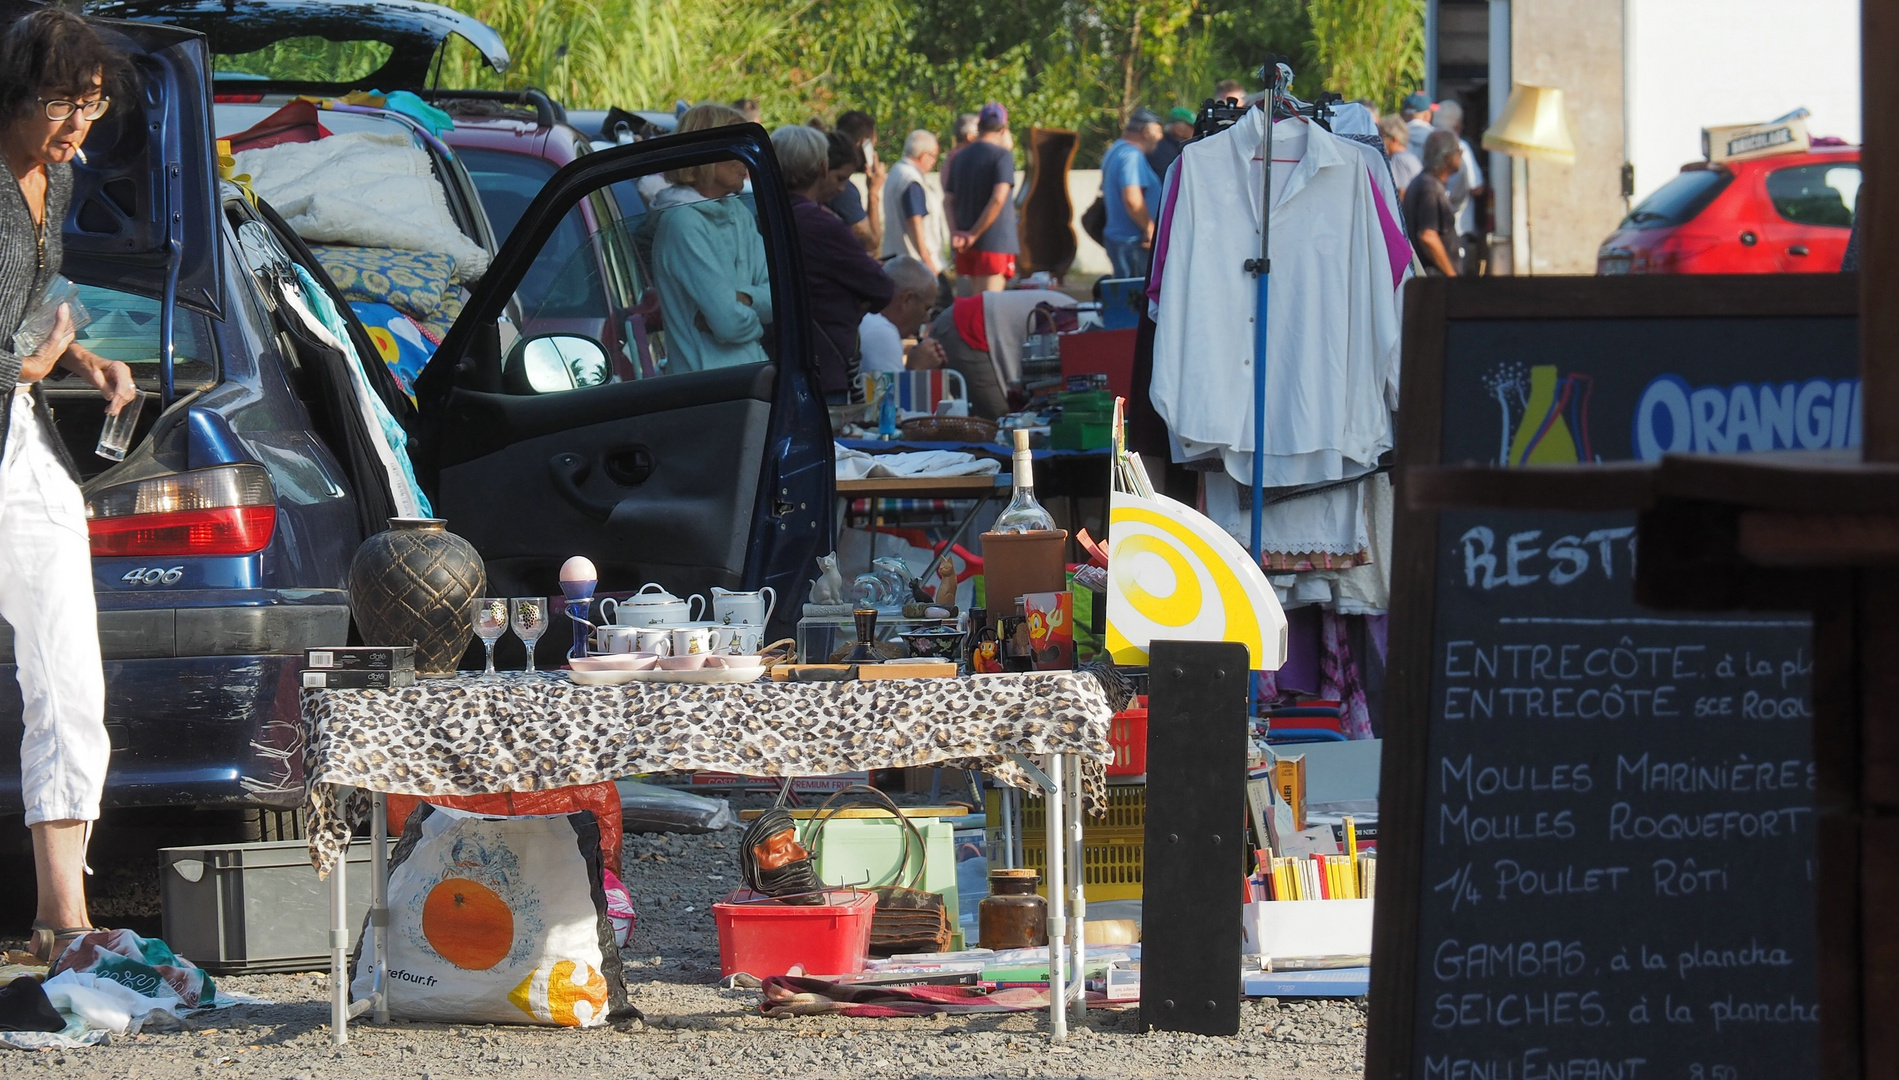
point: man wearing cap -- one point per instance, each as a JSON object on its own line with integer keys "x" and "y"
{"x": 1132, "y": 192}
{"x": 1416, "y": 111}
{"x": 1179, "y": 131}
{"x": 976, "y": 200}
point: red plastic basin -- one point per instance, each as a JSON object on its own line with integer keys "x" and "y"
{"x": 770, "y": 937}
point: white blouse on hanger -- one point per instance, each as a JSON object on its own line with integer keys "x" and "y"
{"x": 1333, "y": 332}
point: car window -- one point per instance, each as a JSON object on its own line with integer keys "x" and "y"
{"x": 693, "y": 269}
{"x": 1678, "y": 201}
{"x": 125, "y": 327}
{"x": 1815, "y": 194}
{"x": 309, "y": 58}
{"x": 507, "y": 184}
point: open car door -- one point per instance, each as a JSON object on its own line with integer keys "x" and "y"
{"x": 694, "y": 452}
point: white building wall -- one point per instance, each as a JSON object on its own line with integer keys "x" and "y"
{"x": 1703, "y": 63}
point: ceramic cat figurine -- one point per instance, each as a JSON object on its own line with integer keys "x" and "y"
{"x": 828, "y": 588}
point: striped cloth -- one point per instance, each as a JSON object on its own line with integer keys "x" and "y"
{"x": 24, "y": 274}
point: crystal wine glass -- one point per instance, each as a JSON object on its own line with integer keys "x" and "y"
{"x": 530, "y": 622}
{"x": 491, "y": 621}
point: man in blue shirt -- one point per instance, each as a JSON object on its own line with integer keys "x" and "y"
{"x": 1132, "y": 193}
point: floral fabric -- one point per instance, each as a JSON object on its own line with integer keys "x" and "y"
{"x": 412, "y": 282}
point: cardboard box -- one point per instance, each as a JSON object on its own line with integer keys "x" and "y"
{"x": 1124, "y": 981}
{"x": 1289, "y": 929}
{"x": 357, "y": 679}
{"x": 362, "y": 658}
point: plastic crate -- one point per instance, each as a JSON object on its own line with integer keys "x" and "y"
{"x": 1111, "y": 863}
{"x": 1127, "y": 812}
{"x": 770, "y": 938}
{"x": 1127, "y": 733}
{"x": 1112, "y": 846}
{"x": 243, "y": 909}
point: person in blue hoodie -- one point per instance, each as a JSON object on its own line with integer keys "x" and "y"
{"x": 709, "y": 265}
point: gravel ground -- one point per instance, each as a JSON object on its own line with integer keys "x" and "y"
{"x": 695, "y": 1030}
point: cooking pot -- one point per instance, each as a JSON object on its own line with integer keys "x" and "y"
{"x": 652, "y": 606}
{"x": 752, "y": 608}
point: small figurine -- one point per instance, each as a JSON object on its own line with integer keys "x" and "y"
{"x": 946, "y": 582}
{"x": 828, "y": 588}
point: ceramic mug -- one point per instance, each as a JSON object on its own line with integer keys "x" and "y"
{"x": 740, "y": 640}
{"x": 688, "y": 640}
{"x": 615, "y": 639}
{"x": 652, "y": 639}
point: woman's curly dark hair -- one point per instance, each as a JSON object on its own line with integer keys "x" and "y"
{"x": 53, "y": 51}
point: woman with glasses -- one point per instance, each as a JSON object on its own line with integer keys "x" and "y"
{"x": 54, "y": 72}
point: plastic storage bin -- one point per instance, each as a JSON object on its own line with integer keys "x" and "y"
{"x": 768, "y": 937}
{"x": 241, "y": 909}
{"x": 868, "y": 851}
{"x": 1127, "y": 733}
{"x": 1113, "y": 846}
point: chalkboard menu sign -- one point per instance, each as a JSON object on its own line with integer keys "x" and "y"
{"x": 1597, "y": 819}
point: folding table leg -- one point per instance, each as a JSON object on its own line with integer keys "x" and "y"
{"x": 339, "y": 949}
{"x": 1057, "y": 860}
{"x": 1077, "y": 886}
{"x": 379, "y": 903}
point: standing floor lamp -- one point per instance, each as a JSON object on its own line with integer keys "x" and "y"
{"x": 1533, "y": 126}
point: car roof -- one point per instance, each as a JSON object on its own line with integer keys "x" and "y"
{"x": 414, "y": 31}
{"x": 1819, "y": 155}
{"x": 558, "y": 144}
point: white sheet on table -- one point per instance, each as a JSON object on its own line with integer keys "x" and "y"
{"x": 861, "y": 465}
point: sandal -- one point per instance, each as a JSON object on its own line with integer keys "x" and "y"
{"x": 48, "y": 943}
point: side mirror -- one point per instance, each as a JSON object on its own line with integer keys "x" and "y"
{"x": 559, "y": 362}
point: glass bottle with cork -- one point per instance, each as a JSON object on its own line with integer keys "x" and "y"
{"x": 1023, "y": 552}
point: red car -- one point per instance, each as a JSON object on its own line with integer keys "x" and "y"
{"x": 1789, "y": 214}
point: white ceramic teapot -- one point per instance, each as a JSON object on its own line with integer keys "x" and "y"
{"x": 652, "y": 606}
{"x": 752, "y": 608}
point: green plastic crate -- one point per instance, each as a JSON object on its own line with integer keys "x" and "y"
{"x": 854, "y": 849}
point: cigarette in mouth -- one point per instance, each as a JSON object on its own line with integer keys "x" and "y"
{"x": 80, "y": 153}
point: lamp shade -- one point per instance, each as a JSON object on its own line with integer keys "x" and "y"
{"x": 1533, "y": 125}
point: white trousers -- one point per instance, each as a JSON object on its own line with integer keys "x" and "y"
{"x": 46, "y": 594}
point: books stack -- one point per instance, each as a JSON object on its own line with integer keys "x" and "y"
{"x": 359, "y": 667}
{"x": 1318, "y": 877}
{"x": 1351, "y": 875}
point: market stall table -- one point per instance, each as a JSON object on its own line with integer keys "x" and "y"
{"x": 528, "y": 732}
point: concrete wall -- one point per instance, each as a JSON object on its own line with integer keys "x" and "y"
{"x": 1750, "y": 61}
{"x": 1576, "y": 46}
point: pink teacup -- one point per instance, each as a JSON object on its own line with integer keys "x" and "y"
{"x": 688, "y": 662}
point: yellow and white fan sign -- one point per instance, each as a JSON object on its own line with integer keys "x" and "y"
{"x": 1173, "y": 575}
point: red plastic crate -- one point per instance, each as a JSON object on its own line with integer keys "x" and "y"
{"x": 1127, "y": 733}
{"x": 770, "y": 937}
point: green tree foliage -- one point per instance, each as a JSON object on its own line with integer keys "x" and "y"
{"x": 1079, "y": 64}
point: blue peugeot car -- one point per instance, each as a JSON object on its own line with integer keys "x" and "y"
{"x": 221, "y": 544}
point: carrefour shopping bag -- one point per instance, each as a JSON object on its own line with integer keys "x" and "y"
{"x": 499, "y": 920}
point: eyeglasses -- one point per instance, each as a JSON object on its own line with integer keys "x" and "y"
{"x": 59, "y": 110}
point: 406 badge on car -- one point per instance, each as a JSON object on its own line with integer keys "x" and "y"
{"x": 153, "y": 575}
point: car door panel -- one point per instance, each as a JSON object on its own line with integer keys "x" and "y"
{"x": 691, "y": 478}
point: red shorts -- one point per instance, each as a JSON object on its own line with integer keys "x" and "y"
{"x": 980, "y": 263}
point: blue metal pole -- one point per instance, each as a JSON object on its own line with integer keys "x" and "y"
{"x": 1262, "y": 269}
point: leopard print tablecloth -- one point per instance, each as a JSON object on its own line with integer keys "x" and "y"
{"x": 522, "y": 732}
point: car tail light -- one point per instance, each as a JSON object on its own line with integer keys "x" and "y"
{"x": 227, "y": 510}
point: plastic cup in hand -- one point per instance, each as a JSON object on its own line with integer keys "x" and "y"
{"x": 115, "y": 438}
{"x": 530, "y": 622}
{"x": 491, "y": 621}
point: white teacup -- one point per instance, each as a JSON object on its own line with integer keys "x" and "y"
{"x": 615, "y": 639}
{"x": 653, "y": 639}
{"x": 691, "y": 640}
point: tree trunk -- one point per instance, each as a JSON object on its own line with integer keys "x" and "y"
{"x": 1129, "y": 64}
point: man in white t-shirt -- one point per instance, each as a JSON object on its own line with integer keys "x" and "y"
{"x": 880, "y": 335}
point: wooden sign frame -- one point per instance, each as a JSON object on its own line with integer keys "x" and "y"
{"x": 1431, "y": 305}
